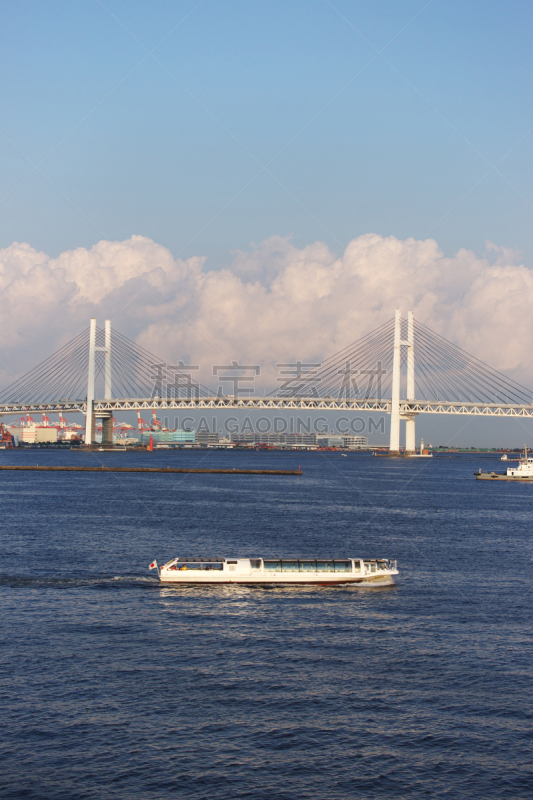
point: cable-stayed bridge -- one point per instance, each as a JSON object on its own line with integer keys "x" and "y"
{"x": 401, "y": 368}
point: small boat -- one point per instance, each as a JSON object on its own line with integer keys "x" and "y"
{"x": 522, "y": 472}
{"x": 281, "y": 571}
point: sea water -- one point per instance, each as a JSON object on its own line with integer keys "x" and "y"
{"x": 113, "y": 686}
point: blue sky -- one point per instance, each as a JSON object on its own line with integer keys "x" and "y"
{"x": 207, "y": 126}
{"x": 159, "y": 119}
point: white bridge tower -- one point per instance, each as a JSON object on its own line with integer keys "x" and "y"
{"x": 107, "y": 417}
{"x": 396, "y": 417}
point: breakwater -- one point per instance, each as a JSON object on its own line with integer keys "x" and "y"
{"x": 37, "y": 468}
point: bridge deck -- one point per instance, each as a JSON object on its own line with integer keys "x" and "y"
{"x": 312, "y": 404}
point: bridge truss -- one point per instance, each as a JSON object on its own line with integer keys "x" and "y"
{"x": 272, "y": 404}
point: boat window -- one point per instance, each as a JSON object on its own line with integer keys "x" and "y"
{"x": 232, "y": 562}
{"x": 255, "y": 563}
{"x": 271, "y": 565}
{"x": 212, "y": 566}
{"x": 343, "y": 566}
{"x": 289, "y": 566}
{"x": 357, "y": 565}
{"x": 307, "y": 566}
{"x": 325, "y": 566}
{"x": 188, "y": 565}
{"x": 205, "y": 560}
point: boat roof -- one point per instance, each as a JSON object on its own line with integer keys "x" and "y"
{"x": 201, "y": 559}
{"x": 196, "y": 559}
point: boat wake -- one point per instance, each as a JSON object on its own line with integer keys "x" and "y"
{"x": 77, "y": 582}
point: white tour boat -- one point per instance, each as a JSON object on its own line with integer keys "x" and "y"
{"x": 322, "y": 571}
{"x": 522, "y": 472}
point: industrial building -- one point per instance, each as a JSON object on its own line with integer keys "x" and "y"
{"x": 33, "y": 434}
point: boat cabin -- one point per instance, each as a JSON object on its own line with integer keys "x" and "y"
{"x": 523, "y": 470}
{"x": 279, "y": 565}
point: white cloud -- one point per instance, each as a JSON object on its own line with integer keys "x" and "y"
{"x": 275, "y": 303}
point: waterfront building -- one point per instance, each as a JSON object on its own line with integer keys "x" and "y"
{"x": 206, "y": 438}
{"x": 276, "y": 439}
{"x": 355, "y": 442}
{"x": 331, "y": 441}
{"x": 168, "y": 437}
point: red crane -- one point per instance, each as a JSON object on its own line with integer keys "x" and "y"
{"x": 68, "y": 426}
{"x": 6, "y": 439}
{"x": 157, "y": 425}
{"x": 142, "y": 425}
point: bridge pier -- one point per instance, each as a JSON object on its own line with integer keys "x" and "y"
{"x": 107, "y": 417}
{"x": 394, "y": 447}
{"x": 396, "y": 416}
{"x": 90, "y": 426}
{"x": 107, "y": 430}
{"x": 89, "y": 417}
{"x": 410, "y": 432}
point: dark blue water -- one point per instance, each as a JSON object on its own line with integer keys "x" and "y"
{"x": 113, "y": 687}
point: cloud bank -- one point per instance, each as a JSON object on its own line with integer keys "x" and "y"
{"x": 275, "y": 302}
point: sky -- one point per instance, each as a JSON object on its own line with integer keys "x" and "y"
{"x": 295, "y": 170}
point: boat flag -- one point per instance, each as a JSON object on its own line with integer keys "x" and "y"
{"x": 153, "y": 565}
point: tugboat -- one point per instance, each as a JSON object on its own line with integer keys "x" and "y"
{"x": 505, "y": 457}
{"x": 523, "y": 472}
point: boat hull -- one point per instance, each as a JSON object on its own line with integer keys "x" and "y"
{"x": 275, "y": 580}
{"x": 497, "y": 476}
